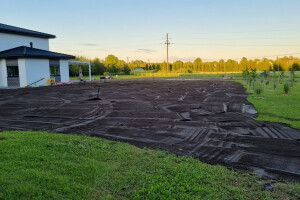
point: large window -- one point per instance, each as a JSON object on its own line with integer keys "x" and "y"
{"x": 54, "y": 67}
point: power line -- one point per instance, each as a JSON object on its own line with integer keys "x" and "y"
{"x": 290, "y": 54}
{"x": 230, "y": 32}
{"x": 246, "y": 45}
{"x": 236, "y": 38}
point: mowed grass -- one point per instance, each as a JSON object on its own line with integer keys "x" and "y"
{"x": 149, "y": 74}
{"x": 274, "y": 106}
{"x": 40, "y": 165}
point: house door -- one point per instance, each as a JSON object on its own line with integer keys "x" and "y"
{"x": 13, "y": 79}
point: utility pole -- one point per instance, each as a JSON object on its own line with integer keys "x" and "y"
{"x": 167, "y": 43}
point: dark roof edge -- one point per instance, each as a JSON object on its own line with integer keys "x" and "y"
{"x": 25, "y": 32}
{"x": 24, "y": 55}
{"x": 40, "y": 57}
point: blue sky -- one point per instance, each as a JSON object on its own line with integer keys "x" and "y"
{"x": 209, "y": 29}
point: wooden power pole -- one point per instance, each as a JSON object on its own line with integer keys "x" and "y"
{"x": 167, "y": 43}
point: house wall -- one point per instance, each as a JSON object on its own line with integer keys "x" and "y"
{"x": 31, "y": 70}
{"x": 64, "y": 70}
{"x": 22, "y": 72}
{"x": 9, "y": 41}
{"x": 3, "y": 73}
{"x": 35, "y": 69}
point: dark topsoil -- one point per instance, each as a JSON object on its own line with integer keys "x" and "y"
{"x": 210, "y": 120}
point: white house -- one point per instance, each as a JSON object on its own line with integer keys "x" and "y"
{"x": 25, "y": 58}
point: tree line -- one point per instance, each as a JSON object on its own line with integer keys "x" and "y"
{"x": 111, "y": 64}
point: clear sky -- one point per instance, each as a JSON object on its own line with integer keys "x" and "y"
{"x": 209, "y": 29}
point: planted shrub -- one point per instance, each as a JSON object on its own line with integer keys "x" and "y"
{"x": 274, "y": 84}
{"x": 253, "y": 76}
{"x": 246, "y": 75}
{"x": 286, "y": 88}
{"x": 281, "y": 77}
{"x": 292, "y": 76}
{"x": 264, "y": 74}
{"x": 261, "y": 80}
{"x": 259, "y": 90}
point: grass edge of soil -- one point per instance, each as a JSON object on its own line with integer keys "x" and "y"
{"x": 273, "y": 106}
{"x": 41, "y": 165}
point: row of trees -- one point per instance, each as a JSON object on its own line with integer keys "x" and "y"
{"x": 112, "y": 64}
{"x": 284, "y": 64}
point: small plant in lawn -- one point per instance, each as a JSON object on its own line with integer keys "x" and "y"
{"x": 292, "y": 76}
{"x": 286, "y": 88}
{"x": 259, "y": 90}
{"x": 274, "y": 84}
{"x": 264, "y": 75}
{"x": 253, "y": 76}
{"x": 281, "y": 77}
{"x": 274, "y": 79}
{"x": 246, "y": 75}
{"x": 262, "y": 80}
{"x": 274, "y": 73}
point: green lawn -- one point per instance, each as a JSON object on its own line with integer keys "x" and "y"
{"x": 40, "y": 165}
{"x": 276, "y": 107}
{"x": 147, "y": 74}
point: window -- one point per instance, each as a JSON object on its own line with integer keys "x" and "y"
{"x": 54, "y": 71}
{"x": 12, "y": 71}
{"x": 12, "y": 68}
{"x": 54, "y": 68}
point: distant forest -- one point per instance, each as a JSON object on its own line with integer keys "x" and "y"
{"x": 113, "y": 65}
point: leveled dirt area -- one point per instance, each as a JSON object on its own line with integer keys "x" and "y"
{"x": 210, "y": 120}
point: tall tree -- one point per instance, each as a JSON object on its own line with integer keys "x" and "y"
{"x": 111, "y": 60}
{"x": 197, "y": 65}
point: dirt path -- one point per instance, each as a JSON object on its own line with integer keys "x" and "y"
{"x": 210, "y": 120}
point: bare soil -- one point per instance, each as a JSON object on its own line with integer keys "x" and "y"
{"x": 210, "y": 120}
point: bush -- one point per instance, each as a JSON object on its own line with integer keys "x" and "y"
{"x": 281, "y": 77}
{"x": 126, "y": 70}
{"x": 286, "y": 88}
{"x": 259, "y": 90}
{"x": 246, "y": 74}
{"x": 274, "y": 84}
{"x": 261, "y": 80}
{"x": 292, "y": 76}
{"x": 253, "y": 76}
{"x": 190, "y": 71}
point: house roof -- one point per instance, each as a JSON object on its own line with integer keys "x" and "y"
{"x": 28, "y": 52}
{"x": 21, "y": 31}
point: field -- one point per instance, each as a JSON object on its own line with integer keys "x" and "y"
{"x": 151, "y": 74}
{"x": 275, "y": 106}
{"x": 40, "y": 165}
{"x": 210, "y": 120}
{"x": 160, "y": 74}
